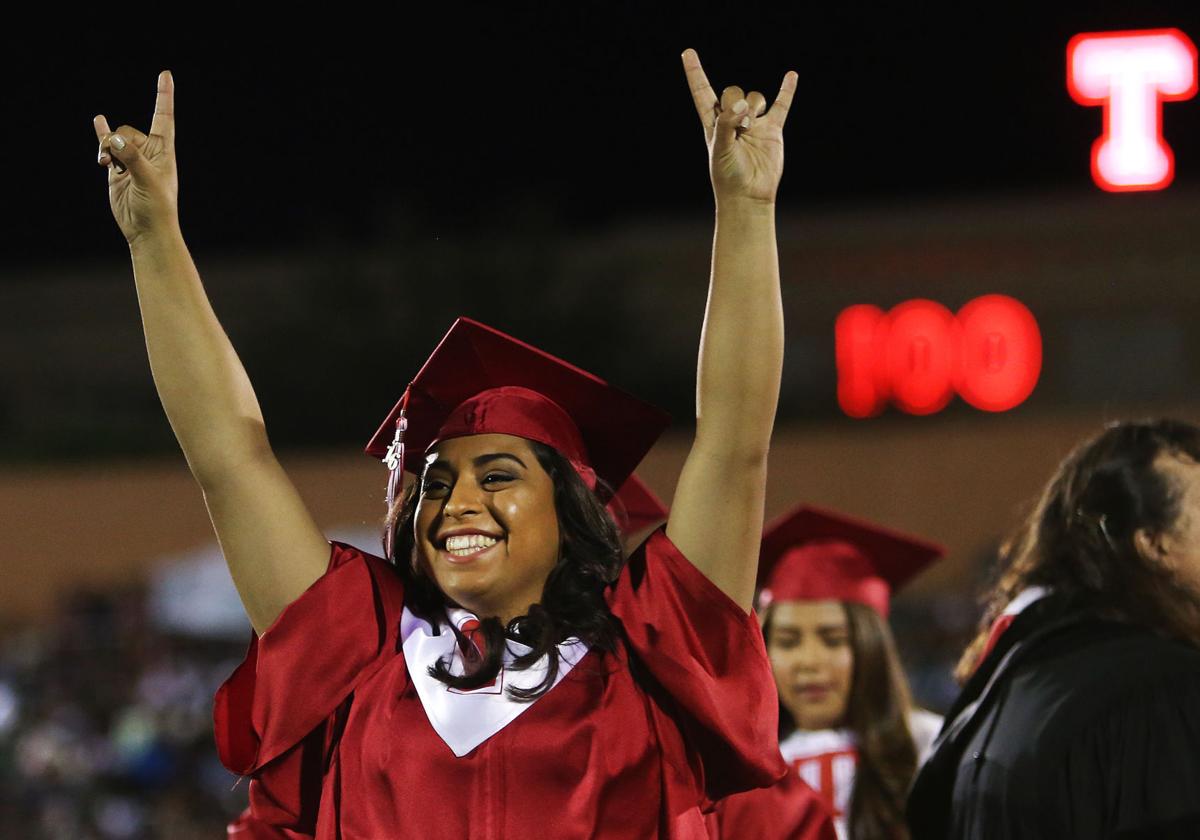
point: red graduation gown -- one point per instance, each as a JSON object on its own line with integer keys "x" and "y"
{"x": 324, "y": 718}
{"x": 813, "y": 802}
{"x": 789, "y": 810}
{"x": 810, "y": 804}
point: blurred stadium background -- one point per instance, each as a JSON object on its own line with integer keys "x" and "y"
{"x": 345, "y": 197}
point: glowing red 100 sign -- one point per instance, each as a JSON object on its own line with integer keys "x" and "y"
{"x": 919, "y": 354}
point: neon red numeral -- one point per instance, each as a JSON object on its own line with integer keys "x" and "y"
{"x": 919, "y": 354}
{"x": 859, "y": 394}
{"x": 1001, "y": 353}
{"x": 1131, "y": 74}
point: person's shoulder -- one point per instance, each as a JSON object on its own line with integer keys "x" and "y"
{"x": 1095, "y": 668}
{"x": 1125, "y": 650}
{"x": 656, "y": 542}
{"x": 659, "y": 562}
{"x": 343, "y": 553}
{"x": 385, "y": 576}
{"x": 1133, "y": 731}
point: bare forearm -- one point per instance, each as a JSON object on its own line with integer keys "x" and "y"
{"x": 717, "y": 513}
{"x": 741, "y": 350}
{"x": 716, "y": 518}
{"x": 274, "y": 547}
{"x": 203, "y": 387}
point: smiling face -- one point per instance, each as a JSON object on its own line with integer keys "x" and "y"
{"x": 486, "y": 528}
{"x": 813, "y": 661}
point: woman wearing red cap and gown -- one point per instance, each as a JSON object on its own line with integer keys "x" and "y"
{"x": 847, "y": 726}
{"x": 502, "y": 672}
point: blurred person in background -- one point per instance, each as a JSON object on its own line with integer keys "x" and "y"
{"x": 847, "y": 726}
{"x": 506, "y": 571}
{"x": 1078, "y": 713}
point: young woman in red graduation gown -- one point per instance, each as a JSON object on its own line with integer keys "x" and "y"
{"x": 506, "y": 674}
{"x": 848, "y": 728}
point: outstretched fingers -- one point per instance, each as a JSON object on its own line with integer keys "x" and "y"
{"x": 100, "y": 123}
{"x": 702, "y": 93}
{"x": 783, "y": 102}
{"x": 163, "y": 123}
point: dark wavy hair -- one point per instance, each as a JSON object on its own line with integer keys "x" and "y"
{"x": 877, "y": 713}
{"x": 572, "y": 603}
{"x": 1081, "y": 537}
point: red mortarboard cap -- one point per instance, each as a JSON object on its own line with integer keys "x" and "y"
{"x": 479, "y": 380}
{"x": 635, "y": 507}
{"x": 811, "y": 554}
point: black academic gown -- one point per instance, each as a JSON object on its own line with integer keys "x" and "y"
{"x": 1073, "y": 727}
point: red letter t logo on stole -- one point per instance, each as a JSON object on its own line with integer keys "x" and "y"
{"x": 1131, "y": 74}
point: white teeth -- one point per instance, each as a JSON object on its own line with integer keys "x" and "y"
{"x": 465, "y": 544}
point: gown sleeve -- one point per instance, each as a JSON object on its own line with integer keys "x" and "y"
{"x": 276, "y": 718}
{"x": 789, "y": 810}
{"x": 249, "y": 827}
{"x": 706, "y": 664}
{"x": 1135, "y": 772}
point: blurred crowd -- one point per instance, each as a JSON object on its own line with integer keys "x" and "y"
{"x": 106, "y": 727}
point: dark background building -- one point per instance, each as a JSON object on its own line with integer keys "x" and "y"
{"x": 350, "y": 185}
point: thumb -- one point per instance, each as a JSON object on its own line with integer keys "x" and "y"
{"x": 124, "y": 149}
{"x": 725, "y": 131}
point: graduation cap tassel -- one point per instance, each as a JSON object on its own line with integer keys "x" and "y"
{"x": 394, "y": 459}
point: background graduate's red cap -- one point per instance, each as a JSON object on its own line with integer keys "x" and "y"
{"x": 810, "y": 554}
{"x": 479, "y": 381}
{"x": 636, "y": 507}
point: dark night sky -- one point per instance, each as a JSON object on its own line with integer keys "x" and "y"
{"x": 457, "y": 120}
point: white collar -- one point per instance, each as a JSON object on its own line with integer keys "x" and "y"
{"x": 465, "y": 719}
{"x": 809, "y": 743}
{"x": 1024, "y": 598}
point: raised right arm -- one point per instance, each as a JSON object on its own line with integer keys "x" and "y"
{"x": 272, "y": 545}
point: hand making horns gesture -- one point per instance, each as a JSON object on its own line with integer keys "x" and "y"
{"x": 143, "y": 187}
{"x": 745, "y": 145}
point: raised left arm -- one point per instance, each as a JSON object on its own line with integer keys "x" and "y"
{"x": 717, "y": 512}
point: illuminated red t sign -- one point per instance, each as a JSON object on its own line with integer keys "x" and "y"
{"x": 1130, "y": 74}
{"x": 919, "y": 354}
